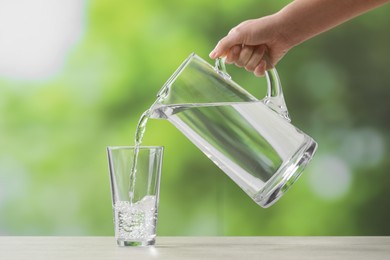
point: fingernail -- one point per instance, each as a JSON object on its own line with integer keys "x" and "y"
{"x": 212, "y": 54}
{"x": 262, "y": 64}
{"x": 259, "y": 71}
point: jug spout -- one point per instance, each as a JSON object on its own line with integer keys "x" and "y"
{"x": 274, "y": 98}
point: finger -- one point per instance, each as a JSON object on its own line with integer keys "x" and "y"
{"x": 245, "y": 55}
{"x": 255, "y": 59}
{"x": 233, "y": 54}
{"x": 225, "y": 44}
{"x": 260, "y": 69}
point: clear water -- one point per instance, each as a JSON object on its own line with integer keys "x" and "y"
{"x": 135, "y": 221}
{"x": 247, "y": 140}
{"x": 139, "y": 133}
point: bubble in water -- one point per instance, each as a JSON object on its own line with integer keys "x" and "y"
{"x": 135, "y": 221}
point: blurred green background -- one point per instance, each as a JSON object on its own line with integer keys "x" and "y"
{"x": 75, "y": 76}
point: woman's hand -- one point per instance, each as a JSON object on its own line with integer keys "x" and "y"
{"x": 256, "y": 45}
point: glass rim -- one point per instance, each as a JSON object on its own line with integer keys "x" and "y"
{"x": 132, "y": 147}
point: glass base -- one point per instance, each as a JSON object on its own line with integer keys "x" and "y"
{"x": 136, "y": 243}
{"x": 286, "y": 175}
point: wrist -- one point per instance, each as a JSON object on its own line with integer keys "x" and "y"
{"x": 284, "y": 39}
{"x": 288, "y": 33}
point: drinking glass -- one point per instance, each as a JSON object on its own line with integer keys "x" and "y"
{"x": 135, "y": 195}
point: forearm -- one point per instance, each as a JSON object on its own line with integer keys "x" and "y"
{"x": 304, "y": 19}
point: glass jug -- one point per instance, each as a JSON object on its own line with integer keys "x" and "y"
{"x": 251, "y": 140}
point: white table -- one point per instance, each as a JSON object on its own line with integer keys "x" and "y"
{"x": 243, "y": 248}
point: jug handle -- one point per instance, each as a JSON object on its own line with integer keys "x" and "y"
{"x": 274, "y": 98}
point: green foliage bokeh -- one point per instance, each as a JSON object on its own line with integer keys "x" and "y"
{"x": 53, "y": 165}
